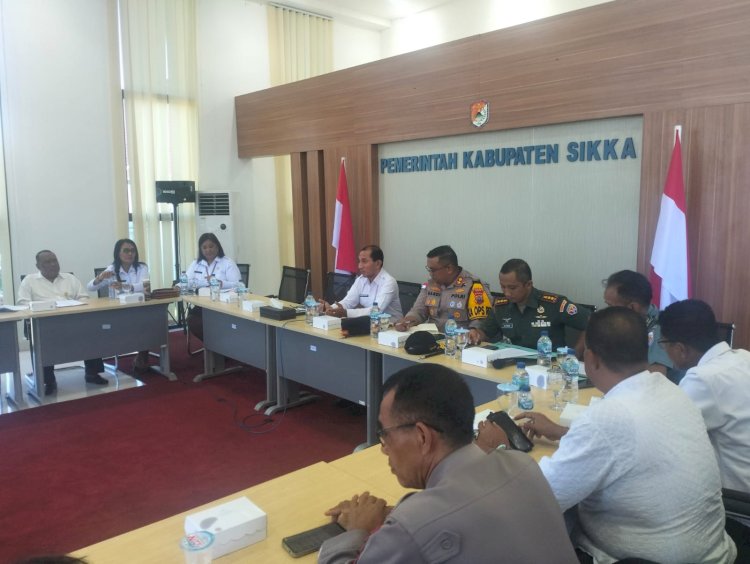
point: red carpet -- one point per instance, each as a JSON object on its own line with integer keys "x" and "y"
{"x": 79, "y": 472}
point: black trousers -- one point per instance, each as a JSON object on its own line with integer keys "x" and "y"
{"x": 92, "y": 365}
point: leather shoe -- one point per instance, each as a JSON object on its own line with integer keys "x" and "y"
{"x": 50, "y": 388}
{"x": 96, "y": 379}
{"x": 141, "y": 364}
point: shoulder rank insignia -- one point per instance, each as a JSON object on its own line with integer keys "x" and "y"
{"x": 551, "y": 298}
{"x": 459, "y": 281}
{"x": 501, "y": 301}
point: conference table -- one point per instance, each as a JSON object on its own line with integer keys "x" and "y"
{"x": 293, "y": 503}
{"x": 9, "y": 355}
{"x": 98, "y": 328}
{"x": 293, "y": 353}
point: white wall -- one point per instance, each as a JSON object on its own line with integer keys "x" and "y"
{"x": 233, "y": 60}
{"x": 354, "y": 46}
{"x": 464, "y": 18}
{"x": 59, "y": 126}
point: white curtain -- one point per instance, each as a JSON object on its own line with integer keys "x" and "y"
{"x": 161, "y": 122}
{"x": 300, "y": 46}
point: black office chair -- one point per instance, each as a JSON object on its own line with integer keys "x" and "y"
{"x": 737, "y": 506}
{"x": 572, "y": 335}
{"x": 294, "y": 284}
{"x": 244, "y": 273}
{"x": 725, "y": 332}
{"x": 496, "y": 295}
{"x": 337, "y": 285}
{"x": 407, "y": 294}
{"x": 102, "y": 292}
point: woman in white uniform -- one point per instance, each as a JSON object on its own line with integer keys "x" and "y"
{"x": 211, "y": 261}
{"x": 126, "y": 268}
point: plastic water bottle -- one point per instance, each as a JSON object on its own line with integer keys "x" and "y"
{"x": 520, "y": 376}
{"x": 570, "y": 367}
{"x": 544, "y": 349}
{"x": 311, "y": 308}
{"x": 215, "y": 287}
{"x": 450, "y": 337}
{"x": 374, "y": 320}
{"x": 241, "y": 291}
{"x": 183, "y": 283}
{"x": 525, "y": 399}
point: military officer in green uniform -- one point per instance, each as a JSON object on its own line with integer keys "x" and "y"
{"x": 450, "y": 293}
{"x": 524, "y": 312}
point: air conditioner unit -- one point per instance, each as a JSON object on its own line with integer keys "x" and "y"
{"x": 217, "y": 213}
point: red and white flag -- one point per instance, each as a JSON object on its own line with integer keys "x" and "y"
{"x": 343, "y": 235}
{"x": 670, "y": 260}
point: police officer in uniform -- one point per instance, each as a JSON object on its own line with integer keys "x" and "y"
{"x": 524, "y": 312}
{"x": 450, "y": 293}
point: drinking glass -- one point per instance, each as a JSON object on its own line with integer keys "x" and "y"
{"x": 462, "y": 339}
{"x": 555, "y": 383}
{"x": 507, "y": 397}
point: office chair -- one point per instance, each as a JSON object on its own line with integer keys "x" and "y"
{"x": 244, "y": 273}
{"x": 496, "y": 295}
{"x": 725, "y": 332}
{"x": 337, "y": 285}
{"x": 294, "y": 284}
{"x": 104, "y": 291}
{"x": 407, "y": 294}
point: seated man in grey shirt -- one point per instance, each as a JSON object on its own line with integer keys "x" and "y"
{"x": 473, "y": 507}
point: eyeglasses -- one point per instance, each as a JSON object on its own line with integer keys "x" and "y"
{"x": 434, "y": 270}
{"x": 664, "y": 343}
{"x": 127, "y": 250}
{"x": 383, "y": 433}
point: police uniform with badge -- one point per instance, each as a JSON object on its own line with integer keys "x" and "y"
{"x": 466, "y": 300}
{"x": 544, "y": 311}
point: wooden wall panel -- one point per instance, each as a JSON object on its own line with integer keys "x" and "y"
{"x": 672, "y": 61}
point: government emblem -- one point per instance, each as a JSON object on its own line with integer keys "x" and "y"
{"x": 480, "y": 113}
{"x": 540, "y": 309}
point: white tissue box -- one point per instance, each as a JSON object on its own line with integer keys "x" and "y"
{"x": 571, "y": 412}
{"x": 228, "y": 297}
{"x": 132, "y": 298}
{"x": 235, "y": 525}
{"x": 479, "y": 356}
{"x": 252, "y": 305}
{"x": 42, "y": 305}
{"x": 204, "y": 292}
{"x": 392, "y": 338}
{"x": 537, "y": 376}
{"x": 326, "y": 322}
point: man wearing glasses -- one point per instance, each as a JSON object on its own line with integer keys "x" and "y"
{"x": 473, "y": 508}
{"x": 450, "y": 293}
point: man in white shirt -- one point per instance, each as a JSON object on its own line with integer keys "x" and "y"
{"x": 373, "y": 285}
{"x": 637, "y": 465}
{"x": 718, "y": 382}
{"x": 51, "y": 284}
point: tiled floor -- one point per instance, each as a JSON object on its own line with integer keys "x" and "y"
{"x": 70, "y": 384}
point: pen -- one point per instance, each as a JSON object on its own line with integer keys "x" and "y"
{"x": 433, "y": 353}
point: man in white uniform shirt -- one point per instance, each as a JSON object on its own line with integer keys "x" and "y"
{"x": 51, "y": 284}
{"x": 718, "y": 382}
{"x": 637, "y": 467}
{"x": 372, "y": 285}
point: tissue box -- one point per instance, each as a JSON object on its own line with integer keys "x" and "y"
{"x": 204, "y": 292}
{"x": 537, "y": 376}
{"x": 228, "y": 297}
{"x": 571, "y": 412}
{"x": 326, "y": 322}
{"x": 252, "y": 305}
{"x": 42, "y": 305}
{"x": 392, "y": 338}
{"x": 132, "y": 298}
{"x": 235, "y": 525}
{"x": 480, "y": 357}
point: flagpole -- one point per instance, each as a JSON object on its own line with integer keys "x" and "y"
{"x": 678, "y": 131}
